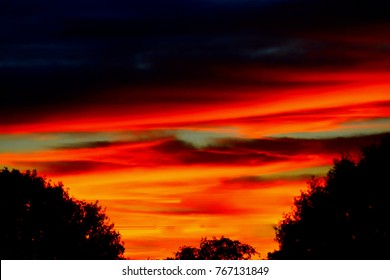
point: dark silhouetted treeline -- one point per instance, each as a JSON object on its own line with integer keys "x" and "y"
{"x": 216, "y": 249}
{"x": 345, "y": 216}
{"x": 41, "y": 221}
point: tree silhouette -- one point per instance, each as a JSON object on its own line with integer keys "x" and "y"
{"x": 41, "y": 221}
{"x": 216, "y": 249}
{"x": 346, "y": 216}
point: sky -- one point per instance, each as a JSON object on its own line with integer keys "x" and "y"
{"x": 188, "y": 119}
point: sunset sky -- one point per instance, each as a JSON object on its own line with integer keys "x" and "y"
{"x": 189, "y": 118}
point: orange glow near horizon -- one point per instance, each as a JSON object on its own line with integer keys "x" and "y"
{"x": 248, "y": 155}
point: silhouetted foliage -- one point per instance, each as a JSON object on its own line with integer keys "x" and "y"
{"x": 41, "y": 221}
{"x": 344, "y": 217}
{"x": 217, "y": 249}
